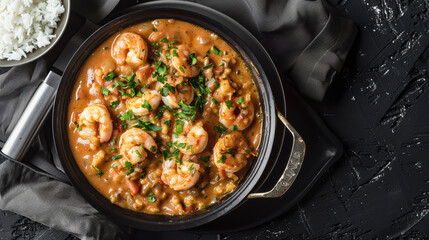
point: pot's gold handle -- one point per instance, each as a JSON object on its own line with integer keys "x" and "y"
{"x": 293, "y": 166}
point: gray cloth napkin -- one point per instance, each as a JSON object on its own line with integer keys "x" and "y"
{"x": 307, "y": 44}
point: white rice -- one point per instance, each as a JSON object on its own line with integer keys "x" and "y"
{"x": 26, "y": 25}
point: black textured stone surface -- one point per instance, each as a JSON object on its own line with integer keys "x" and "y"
{"x": 378, "y": 107}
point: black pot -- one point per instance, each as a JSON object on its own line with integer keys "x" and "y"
{"x": 265, "y": 73}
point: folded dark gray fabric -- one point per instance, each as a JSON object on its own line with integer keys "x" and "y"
{"x": 307, "y": 44}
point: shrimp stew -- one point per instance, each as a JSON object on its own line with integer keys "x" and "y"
{"x": 164, "y": 118}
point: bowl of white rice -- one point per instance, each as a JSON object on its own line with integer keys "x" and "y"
{"x": 30, "y": 28}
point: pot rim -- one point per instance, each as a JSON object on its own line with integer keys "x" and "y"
{"x": 235, "y": 35}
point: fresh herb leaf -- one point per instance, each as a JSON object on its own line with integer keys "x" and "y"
{"x": 214, "y": 101}
{"x": 216, "y": 50}
{"x": 110, "y": 76}
{"x": 181, "y": 69}
{"x": 164, "y": 40}
{"x": 167, "y": 55}
{"x": 234, "y": 128}
{"x": 105, "y": 91}
{"x": 117, "y": 157}
{"x": 99, "y": 173}
{"x": 222, "y": 159}
{"x": 147, "y": 126}
{"x": 208, "y": 53}
{"x": 175, "y": 53}
{"x": 186, "y": 109}
{"x": 241, "y": 100}
{"x": 193, "y": 59}
{"x": 151, "y": 197}
{"x": 173, "y": 42}
{"x": 168, "y": 123}
{"x": 155, "y": 30}
{"x": 222, "y": 63}
{"x": 147, "y": 105}
{"x": 115, "y": 166}
{"x": 230, "y": 151}
{"x": 179, "y": 126}
{"x": 205, "y": 159}
{"x": 247, "y": 151}
{"x": 228, "y": 104}
{"x": 138, "y": 153}
{"x": 208, "y": 66}
{"x": 129, "y": 167}
{"x": 167, "y": 88}
{"x": 216, "y": 85}
{"x": 113, "y": 150}
{"x": 113, "y": 104}
{"x": 221, "y": 129}
{"x": 192, "y": 169}
{"x": 127, "y": 116}
{"x": 153, "y": 149}
{"x": 114, "y": 142}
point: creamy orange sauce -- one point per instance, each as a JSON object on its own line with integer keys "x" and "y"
{"x": 140, "y": 186}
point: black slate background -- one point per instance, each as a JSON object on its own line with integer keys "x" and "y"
{"x": 378, "y": 107}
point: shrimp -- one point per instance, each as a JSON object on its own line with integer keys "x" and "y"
{"x": 231, "y": 152}
{"x": 180, "y": 176}
{"x": 194, "y": 138}
{"x": 181, "y": 92}
{"x": 129, "y": 48}
{"x": 239, "y": 112}
{"x": 224, "y": 92}
{"x": 138, "y": 106}
{"x": 95, "y": 124}
{"x": 182, "y": 63}
{"x": 132, "y": 144}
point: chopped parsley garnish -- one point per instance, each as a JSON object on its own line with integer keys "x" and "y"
{"x": 188, "y": 110}
{"x": 222, "y": 63}
{"x": 115, "y": 166}
{"x": 173, "y": 42}
{"x": 230, "y": 151}
{"x": 99, "y": 173}
{"x": 117, "y": 157}
{"x": 234, "y": 128}
{"x": 192, "y": 169}
{"x": 138, "y": 153}
{"x": 110, "y": 76}
{"x": 199, "y": 85}
{"x": 168, "y": 123}
{"x": 179, "y": 126}
{"x": 169, "y": 144}
{"x": 129, "y": 168}
{"x": 205, "y": 159}
{"x": 147, "y": 105}
{"x": 164, "y": 40}
{"x": 216, "y": 50}
{"x": 228, "y": 104}
{"x": 114, "y": 142}
{"x": 151, "y": 197}
{"x": 208, "y": 66}
{"x": 175, "y": 53}
{"x": 216, "y": 85}
{"x": 167, "y": 88}
{"x": 193, "y": 59}
{"x": 105, "y": 91}
{"x": 127, "y": 116}
{"x": 168, "y": 55}
{"x": 153, "y": 149}
{"x": 155, "y": 30}
{"x": 114, "y": 103}
{"x": 147, "y": 126}
{"x": 129, "y": 84}
{"x": 155, "y": 45}
{"x": 247, "y": 151}
{"x": 181, "y": 69}
{"x": 214, "y": 101}
{"x": 113, "y": 150}
{"x": 241, "y": 100}
{"x": 160, "y": 111}
{"x": 208, "y": 53}
{"x": 221, "y": 129}
{"x": 222, "y": 159}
